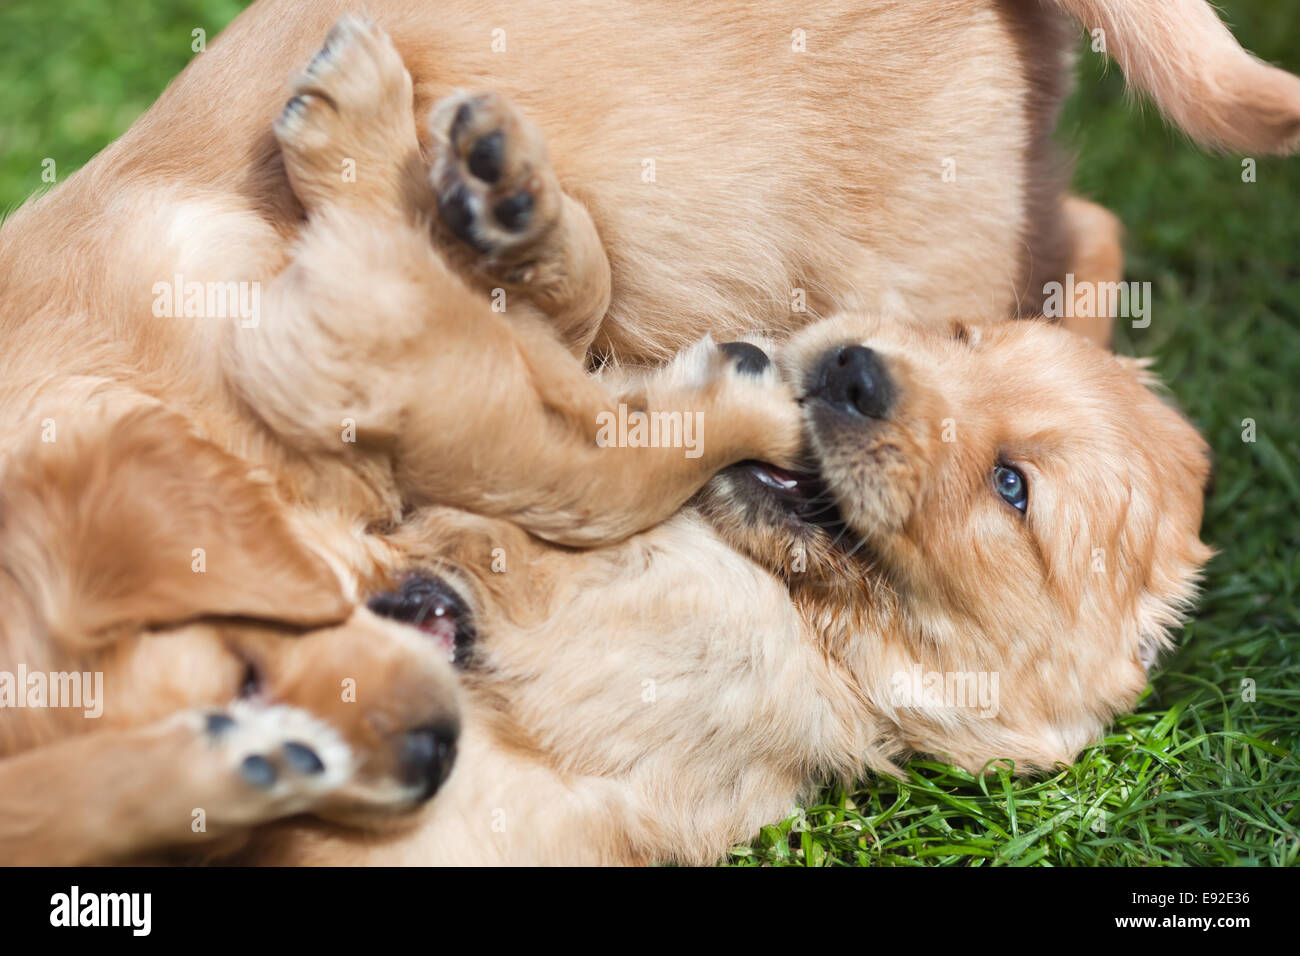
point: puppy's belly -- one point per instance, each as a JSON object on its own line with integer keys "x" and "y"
{"x": 741, "y": 177}
{"x": 740, "y": 184}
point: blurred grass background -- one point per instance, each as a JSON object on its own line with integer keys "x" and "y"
{"x": 1199, "y": 775}
{"x": 74, "y": 75}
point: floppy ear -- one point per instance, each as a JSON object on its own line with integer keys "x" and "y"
{"x": 1183, "y": 479}
{"x": 134, "y": 522}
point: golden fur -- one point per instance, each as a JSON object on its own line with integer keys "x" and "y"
{"x": 141, "y": 450}
{"x": 369, "y": 326}
{"x": 663, "y": 698}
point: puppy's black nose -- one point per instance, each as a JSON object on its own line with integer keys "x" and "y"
{"x": 426, "y": 757}
{"x": 853, "y": 379}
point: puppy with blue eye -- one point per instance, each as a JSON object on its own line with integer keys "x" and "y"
{"x": 993, "y": 531}
{"x": 996, "y": 499}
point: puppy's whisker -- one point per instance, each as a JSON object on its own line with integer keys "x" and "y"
{"x": 862, "y": 543}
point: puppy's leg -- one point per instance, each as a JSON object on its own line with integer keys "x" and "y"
{"x": 412, "y": 369}
{"x": 348, "y": 132}
{"x": 1097, "y": 258}
{"x": 630, "y": 462}
{"x": 1180, "y": 53}
{"x": 197, "y": 779}
{"x": 510, "y": 226}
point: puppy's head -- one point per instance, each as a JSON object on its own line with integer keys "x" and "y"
{"x": 996, "y": 530}
{"x": 131, "y": 548}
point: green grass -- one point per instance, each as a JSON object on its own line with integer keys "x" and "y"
{"x": 74, "y": 75}
{"x": 1198, "y": 775}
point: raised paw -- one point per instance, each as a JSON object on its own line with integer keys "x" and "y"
{"x": 347, "y": 133}
{"x": 756, "y": 411}
{"x": 267, "y": 762}
{"x": 496, "y": 191}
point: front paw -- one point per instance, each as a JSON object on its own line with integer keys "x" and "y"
{"x": 752, "y": 410}
{"x": 262, "y": 763}
{"x": 495, "y": 187}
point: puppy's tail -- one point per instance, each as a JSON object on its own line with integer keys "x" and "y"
{"x": 1181, "y": 55}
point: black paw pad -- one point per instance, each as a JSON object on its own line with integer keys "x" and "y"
{"x": 321, "y": 56}
{"x": 749, "y": 359}
{"x": 258, "y": 771}
{"x": 456, "y": 210}
{"x": 217, "y": 724}
{"x": 296, "y": 104}
{"x": 464, "y": 113}
{"x": 302, "y": 758}
{"x": 514, "y": 212}
{"x": 487, "y": 156}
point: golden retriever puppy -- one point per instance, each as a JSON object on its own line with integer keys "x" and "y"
{"x": 184, "y": 501}
{"x": 995, "y": 531}
{"x": 747, "y": 166}
{"x": 178, "y": 665}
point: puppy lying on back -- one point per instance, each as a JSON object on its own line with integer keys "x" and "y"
{"x": 365, "y": 437}
{"x": 993, "y": 530}
{"x": 997, "y": 595}
{"x": 185, "y": 501}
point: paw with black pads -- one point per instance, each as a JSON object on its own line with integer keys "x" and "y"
{"x": 274, "y": 760}
{"x": 710, "y": 363}
{"x": 351, "y": 108}
{"x": 495, "y": 187}
{"x": 749, "y": 359}
{"x": 751, "y": 409}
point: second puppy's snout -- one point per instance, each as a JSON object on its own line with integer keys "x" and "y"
{"x": 853, "y": 379}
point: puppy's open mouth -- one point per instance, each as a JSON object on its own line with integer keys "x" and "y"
{"x": 802, "y": 496}
{"x": 432, "y": 606}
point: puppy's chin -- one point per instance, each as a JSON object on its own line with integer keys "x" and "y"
{"x": 374, "y": 809}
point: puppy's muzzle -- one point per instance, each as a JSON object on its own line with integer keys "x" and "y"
{"x": 431, "y": 605}
{"x": 853, "y": 380}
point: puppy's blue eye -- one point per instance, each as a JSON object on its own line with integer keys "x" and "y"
{"x": 1012, "y": 486}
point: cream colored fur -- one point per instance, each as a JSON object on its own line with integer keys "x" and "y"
{"x": 755, "y": 201}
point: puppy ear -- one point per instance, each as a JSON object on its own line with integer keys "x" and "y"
{"x": 1170, "y": 596}
{"x": 1181, "y": 482}
{"x": 136, "y": 523}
